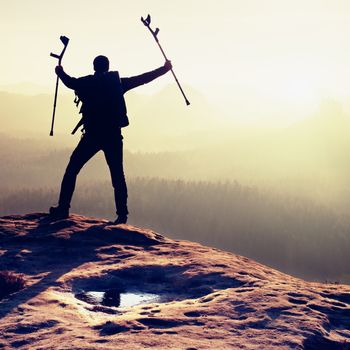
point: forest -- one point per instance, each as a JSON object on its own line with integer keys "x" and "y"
{"x": 290, "y": 234}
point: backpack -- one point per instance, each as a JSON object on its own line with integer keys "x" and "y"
{"x": 102, "y": 99}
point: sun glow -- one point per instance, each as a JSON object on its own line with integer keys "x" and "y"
{"x": 293, "y": 87}
{"x": 264, "y": 55}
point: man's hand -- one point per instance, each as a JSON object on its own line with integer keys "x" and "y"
{"x": 59, "y": 70}
{"x": 168, "y": 65}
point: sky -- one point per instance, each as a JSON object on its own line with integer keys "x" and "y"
{"x": 261, "y": 61}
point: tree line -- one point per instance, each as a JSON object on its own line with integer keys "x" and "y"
{"x": 291, "y": 234}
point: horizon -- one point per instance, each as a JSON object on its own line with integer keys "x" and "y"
{"x": 270, "y": 63}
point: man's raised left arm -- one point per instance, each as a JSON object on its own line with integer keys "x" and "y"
{"x": 132, "y": 82}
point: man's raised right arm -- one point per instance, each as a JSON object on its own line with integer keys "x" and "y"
{"x": 67, "y": 80}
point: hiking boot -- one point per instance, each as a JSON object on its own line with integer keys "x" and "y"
{"x": 121, "y": 219}
{"x": 59, "y": 213}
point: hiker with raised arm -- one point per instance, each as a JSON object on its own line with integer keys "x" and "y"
{"x": 104, "y": 113}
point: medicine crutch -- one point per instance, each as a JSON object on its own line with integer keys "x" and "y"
{"x": 65, "y": 41}
{"x": 155, "y": 32}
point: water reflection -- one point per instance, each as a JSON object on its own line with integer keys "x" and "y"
{"x": 115, "y": 298}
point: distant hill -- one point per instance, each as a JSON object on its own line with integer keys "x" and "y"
{"x": 27, "y": 88}
{"x": 157, "y": 122}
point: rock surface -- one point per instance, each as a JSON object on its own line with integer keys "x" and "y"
{"x": 206, "y": 298}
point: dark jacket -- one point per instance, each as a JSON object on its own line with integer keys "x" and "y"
{"x": 101, "y": 94}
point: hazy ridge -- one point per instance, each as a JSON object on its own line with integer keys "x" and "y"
{"x": 277, "y": 195}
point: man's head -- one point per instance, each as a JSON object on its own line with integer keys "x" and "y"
{"x": 101, "y": 64}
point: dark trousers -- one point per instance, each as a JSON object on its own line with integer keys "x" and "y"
{"x": 111, "y": 143}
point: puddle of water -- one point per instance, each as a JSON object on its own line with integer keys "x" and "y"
{"x": 117, "y": 299}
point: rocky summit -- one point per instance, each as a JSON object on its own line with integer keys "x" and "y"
{"x": 85, "y": 283}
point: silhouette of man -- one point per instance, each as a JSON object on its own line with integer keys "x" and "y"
{"x": 104, "y": 114}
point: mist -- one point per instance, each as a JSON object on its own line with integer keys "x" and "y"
{"x": 278, "y": 195}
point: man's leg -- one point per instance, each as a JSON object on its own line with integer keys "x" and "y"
{"x": 85, "y": 149}
{"x": 113, "y": 150}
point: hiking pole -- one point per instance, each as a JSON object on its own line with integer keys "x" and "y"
{"x": 154, "y": 33}
{"x": 65, "y": 41}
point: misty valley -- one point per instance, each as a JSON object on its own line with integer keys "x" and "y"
{"x": 280, "y": 197}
